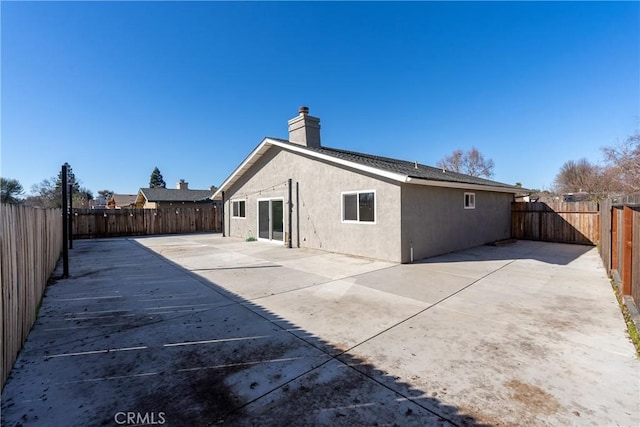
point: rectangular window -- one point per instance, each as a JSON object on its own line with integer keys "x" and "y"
{"x": 359, "y": 206}
{"x": 238, "y": 209}
{"x": 350, "y": 207}
{"x": 469, "y": 200}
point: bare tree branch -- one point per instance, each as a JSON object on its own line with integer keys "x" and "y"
{"x": 624, "y": 162}
{"x": 471, "y": 163}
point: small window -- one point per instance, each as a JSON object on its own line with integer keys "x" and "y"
{"x": 238, "y": 209}
{"x": 469, "y": 200}
{"x": 359, "y": 207}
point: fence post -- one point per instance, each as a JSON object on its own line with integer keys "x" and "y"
{"x": 614, "y": 238}
{"x": 627, "y": 230}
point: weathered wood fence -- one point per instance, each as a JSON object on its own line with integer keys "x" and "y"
{"x": 562, "y": 222}
{"x": 87, "y": 223}
{"x": 30, "y": 244}
{"x": 620, "y": 243}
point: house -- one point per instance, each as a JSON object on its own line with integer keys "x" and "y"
{"x": 302, "y": 194}
{"x": 580, "y": 196}
{"x": 152, "y": 198}
{"x": 122, "y": 201}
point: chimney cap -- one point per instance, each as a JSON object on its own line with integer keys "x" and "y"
{"x": 303, "y": 110}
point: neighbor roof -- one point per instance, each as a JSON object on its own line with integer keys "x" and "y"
{"x": 398, "y": 170}
{"x": 124, "y": 199}
{"x": 175, "y": 195}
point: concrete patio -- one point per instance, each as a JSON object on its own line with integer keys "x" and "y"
{"x": 194, "y": 330}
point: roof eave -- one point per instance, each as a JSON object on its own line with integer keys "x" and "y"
{"x": 462, "y": 185}
{"x": 268, "y": 142}
{"x": 239, "y": 171}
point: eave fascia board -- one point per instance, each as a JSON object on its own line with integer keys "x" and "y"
{"x": 460, "y": 185}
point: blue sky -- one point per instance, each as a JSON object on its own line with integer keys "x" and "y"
{"x": 117, "y": 88}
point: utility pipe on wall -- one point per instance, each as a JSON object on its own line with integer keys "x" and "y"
{"x": 223, "y": 226}
{"x": 298, "y": 213}
{"x": 411, "y": 252}
{"x": 289, "y": 244}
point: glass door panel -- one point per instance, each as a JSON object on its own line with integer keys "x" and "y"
{"x": 277, "y": 220}
{"x": 263, "y": 219}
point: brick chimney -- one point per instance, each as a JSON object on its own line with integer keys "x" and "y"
{"x": 305, "y": 129}
{"x": 182, "y": 185}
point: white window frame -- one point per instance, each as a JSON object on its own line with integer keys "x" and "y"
{"x": 472, "y": 201}
{"x": 357, "y": 193}
{"x": 245, "y": 208}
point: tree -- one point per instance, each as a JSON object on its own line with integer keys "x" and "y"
{"x": 48, "y": 193}
{"x": 81, "y": 198}
{"x": 583, "y": 176}
{"x": 623, "y": 160}
{"x": 106, "y": 194}
{"x": 43, "y": 194}
{"x": 71, "y": 179}
{"x": 471, "y": 163}
{"x": 10, "y": 190}
{"x": 156, "y": 180}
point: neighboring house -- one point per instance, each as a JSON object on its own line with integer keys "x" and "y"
{"x": 580, "y": 196}
{"x": 302, "y": 194}
{"x": 98, "y": 203}
{"x": 152, "y": 198}
{"x": 122, "y": 201}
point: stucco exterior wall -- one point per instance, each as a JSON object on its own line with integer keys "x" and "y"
{"x": 434, "y": 220}
{"x": 317, "y": 215}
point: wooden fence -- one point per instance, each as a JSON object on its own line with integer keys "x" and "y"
{"x": 30, "y": 245}
{"x": 620, "y": 243}
{"x": 562, "y": 222}
{"x": 87, "y": 223}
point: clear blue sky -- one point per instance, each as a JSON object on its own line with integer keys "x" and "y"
{"x": 116, "y": 88}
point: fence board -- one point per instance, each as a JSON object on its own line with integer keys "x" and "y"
{"x": 564, "y": 222}
{"x": 89, "y": 223}
{"x": 30, "y": 245}
{"x": 635, "y": 262}
{"x": 620, "y": 245}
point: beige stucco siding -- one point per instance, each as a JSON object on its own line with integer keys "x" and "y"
{"x": 434, "y": 220}
{"x": 318, "y": 205}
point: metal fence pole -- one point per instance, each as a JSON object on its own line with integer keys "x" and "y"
{"x": 70, "y": 217}
{"x": 65, "y": 224}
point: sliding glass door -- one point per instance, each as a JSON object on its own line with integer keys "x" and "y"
{"x": 271, "y": 219}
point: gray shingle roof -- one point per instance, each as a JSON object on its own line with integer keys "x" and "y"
{"x": 175, "y": 195}
{"x": 402, "y": 167}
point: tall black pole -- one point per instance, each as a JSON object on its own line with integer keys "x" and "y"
{"x": 70, "y": 216}
{"x": 65, "y": 224}
{"x": 289, "y": 243}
